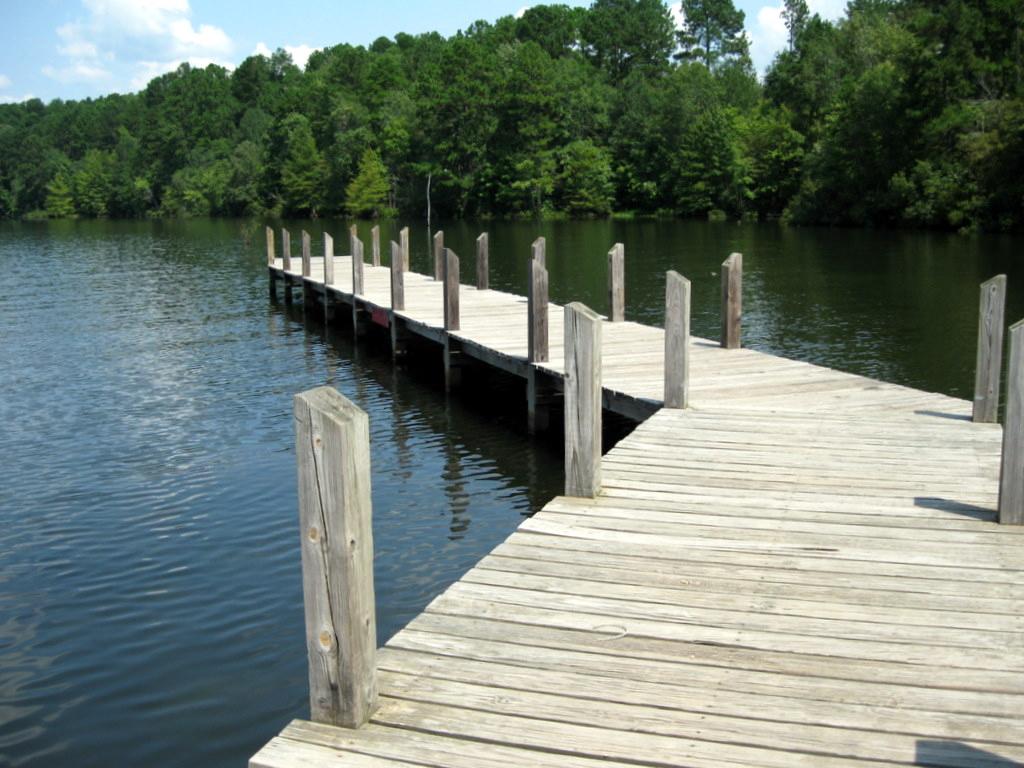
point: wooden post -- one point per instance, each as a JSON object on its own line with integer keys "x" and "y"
{"x": 677, "y": 340}
{"x": 990, "y": 350}
{"x": 375, "y": 244}
{"x": 271, "y": 264}
{"x": 483, "y": 258}
{"x": 357, "y": 267}
{"x": 537, "y": 251}
{"x": 617, "y": 283}
{"x": 332, "y": 448}
{"x": 438, "y": 254}
{"x": 732, "y": 301}
{"x": 286, "y": 248}
{"x": 537, "y": 309}
{"x": 270, "y": 247}
{"x": 397, "y": 279}
{"x": 1011, "y": 470}
{"x": 451, "y": 290}
{"x": 582, "y": 401}
{"x": 328, "y": 260}
{"x": 403, "y": 238}
{"x": 307, "y": 256}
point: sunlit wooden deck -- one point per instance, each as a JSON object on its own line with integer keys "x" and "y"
{"x": 801, "y": 569}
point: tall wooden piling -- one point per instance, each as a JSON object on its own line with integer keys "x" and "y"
{"x": 332, "y": 448}
{"x": 286, "y": 248}
{"x": 270, "y": 248}
{"x": 538, "y": 251}
{"x": 451, "y": 290}
{"x": 375, "y": 244}
{"x": 357, "y": 267}
{"x": 328, "y": 259}
{"x": 271, "y": 264}
{"x": 483, "y": 262}
{"x": 537, "y": 311}
{"x": 397, "y": 278}
{"x": 307, "y": 255}
{"x": 438, "y": 254}
{"x": 582, "y": 401}
{"x": 617, "y": 283}
{"x": 732, "y": 301}
{"x": 677, "y": 340}
{"x": 1011, "y": 471}
{"x": 990, "y": 349}
{"x": 403, "y": 238}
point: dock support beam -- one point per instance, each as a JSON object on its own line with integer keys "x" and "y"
{"x": 375, "y": 244}
{"x": 537, "y": 343}
{"x": 358, "y": 318}
{"x": 271, "y": 264}
{"x": 617, "y": 283}
{"x": 677, "y": 340}
{"x": 332, "y": 447}
{"x": 438, "y": 254}
{"x": 403, "y": 238}
{"x": 328, "y": 277}
{"x": 397, "y": 294}
{"x": 286, "y": 263}
{"x": 1011, "y": 470}
{"x": 732, "y": 301}
{"x": 990, "y": 350}
{"x": 582, "y": 401}
{"x": 483, "y": 262}
{"x": 452, "y": 352}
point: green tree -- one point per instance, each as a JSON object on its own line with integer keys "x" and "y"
{"x": 585, "y": 181}
{"x": 795, "y": 14}
{"x": 712, "y": 32}
{"x": 621, "y": 36}
{"x": 60, "y": 203}
{"x": 91, "y": 183}
{"x": 367, "y": 194}
{"x": 303, "y": 173}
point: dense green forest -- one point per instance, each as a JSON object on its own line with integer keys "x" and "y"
{"x": 904, "y": 112}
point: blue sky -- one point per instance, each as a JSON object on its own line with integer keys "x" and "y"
{"x": 78, "y": 48}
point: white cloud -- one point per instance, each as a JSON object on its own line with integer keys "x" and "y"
{"x": 8, "y": 99}
{"x": 300, "y": 53}
{"x": 146, "y": 38}
{"x": 676, "y": 12}
{"x": 768, "y": 34}
{"x": 5, "y": 81}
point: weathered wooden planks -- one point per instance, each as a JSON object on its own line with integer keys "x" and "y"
{"x": 332, "y": 444}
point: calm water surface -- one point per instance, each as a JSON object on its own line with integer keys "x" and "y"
{"x": 150, "y": 595}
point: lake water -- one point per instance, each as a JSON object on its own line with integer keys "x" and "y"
{"x": 150, "y": 595}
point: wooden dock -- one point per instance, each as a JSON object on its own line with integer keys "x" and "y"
{"x": 802, "y": 568}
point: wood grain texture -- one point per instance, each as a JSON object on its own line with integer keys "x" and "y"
{"x": 397, "y": 278}
{"x": 732, "y": 301}
{"x": 357, "y": 265}
{"x": 617, "y": 283}
{"x": 307, "y": 255}
{"x": 990, "y": 350}
{"x": 1011, "y": 473}
{"x": 271, "y": 256}
{"x": 403, "y": 238}
{"x": 677, "y": 340}
{"x": 483, "y": 261}
{"x": 328, "y": 259}
{"x": 538, "y": 251}
{"x": 438, "y": 254}
{"x": 582, "y": 401}
{"x": 537, "y": 313}
{"x": 332, "y": 448}
{"x": 375, "y": 244}
{"x": 451, "y": 290}
{"x": 286, "y": 248}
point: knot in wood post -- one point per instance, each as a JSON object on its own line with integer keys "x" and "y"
{"x": 582, "y": 401}
{"x": 332, "y": 451}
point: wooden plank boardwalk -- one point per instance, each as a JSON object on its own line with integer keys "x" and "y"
{"x": 801, "y": 569}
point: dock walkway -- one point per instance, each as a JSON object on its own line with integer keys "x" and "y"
{"x": 801, "y": 569}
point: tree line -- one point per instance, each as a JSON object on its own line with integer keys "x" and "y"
{"x": 903, "y": 112}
